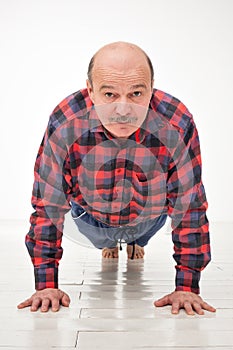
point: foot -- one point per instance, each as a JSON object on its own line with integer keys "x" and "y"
{"x": 109, "y": 253}
{"x": 138, "y": 251}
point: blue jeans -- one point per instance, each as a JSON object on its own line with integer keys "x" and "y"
{"x": 102, "y": 235}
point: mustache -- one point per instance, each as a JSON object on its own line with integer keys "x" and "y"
{"x": 124, "y": 119}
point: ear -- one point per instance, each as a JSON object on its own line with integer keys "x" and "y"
{"x": 90, "y": 90}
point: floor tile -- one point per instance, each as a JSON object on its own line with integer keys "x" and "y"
{"x": 150, "y": 312}
{"x": 38, "y": 338}
{"x": 140, "y": 340}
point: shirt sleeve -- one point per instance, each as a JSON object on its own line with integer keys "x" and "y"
{"x": 50, "y": 198}
{"x": 187, "y": 205}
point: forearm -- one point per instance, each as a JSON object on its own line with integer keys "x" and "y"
{"x": 191, "y": 248}
{"x": 43, "y": 242}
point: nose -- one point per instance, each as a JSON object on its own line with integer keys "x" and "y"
{"x": 123, "y": 108}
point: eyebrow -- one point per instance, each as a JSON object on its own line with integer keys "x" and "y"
{"x": 107, "y": 87}
{"x": 138, "y": 86}
{"x": 133, "y": 87}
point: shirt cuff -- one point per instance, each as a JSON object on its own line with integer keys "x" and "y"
{"x": 187, "y": 280}
{"x": 46, "y": 278}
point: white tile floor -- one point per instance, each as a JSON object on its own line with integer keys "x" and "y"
{"x": 112, "y": 302}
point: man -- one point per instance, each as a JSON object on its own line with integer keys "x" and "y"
{"x": 122, "y": 156}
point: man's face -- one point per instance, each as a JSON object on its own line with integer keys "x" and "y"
{"x": 121, "y": 92}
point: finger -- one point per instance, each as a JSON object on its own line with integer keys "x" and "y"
{"x": 45, "y": 304}
{"x": 25, "y": 303}
{"x": 188, "y": 308}
{"x": 197, "y": 307}
{"x": 55, "y": 305}
{"x": 175, "y": 307}
{"x": 65, "y": 300}
{"x": 36, "y": 302}
{"x": 161, "y": 302}
{"x": 208, "y": 307}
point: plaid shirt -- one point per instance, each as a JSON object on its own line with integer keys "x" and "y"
{"x": 157, "y": 170}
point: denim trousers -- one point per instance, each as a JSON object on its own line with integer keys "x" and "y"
{"x": 102, "y": 235}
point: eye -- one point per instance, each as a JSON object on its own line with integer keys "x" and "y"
{"x": 108, "y": 94}
{"x": 137, "y": 93}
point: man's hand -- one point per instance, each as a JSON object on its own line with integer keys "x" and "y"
{"x": 185, "y": 300}
{"x": 46, "y": 298}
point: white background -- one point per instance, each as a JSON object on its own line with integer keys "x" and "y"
{"x": 45, "y": 49}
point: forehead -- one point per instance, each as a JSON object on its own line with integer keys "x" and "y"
{"x": 111, "y": 77}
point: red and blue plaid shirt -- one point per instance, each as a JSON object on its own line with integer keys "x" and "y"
{"x": 157, "y": 170}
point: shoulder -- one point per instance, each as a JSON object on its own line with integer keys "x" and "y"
{"x": 76, "y": 105}
{"x": 172, "y": 109}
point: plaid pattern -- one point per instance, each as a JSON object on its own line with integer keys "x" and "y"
{"x": 156, "y": 171}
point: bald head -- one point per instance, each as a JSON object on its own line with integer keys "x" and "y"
{"x": 120, "y": 56}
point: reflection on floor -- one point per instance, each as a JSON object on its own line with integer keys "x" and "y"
{"x": 112, "y": 301}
